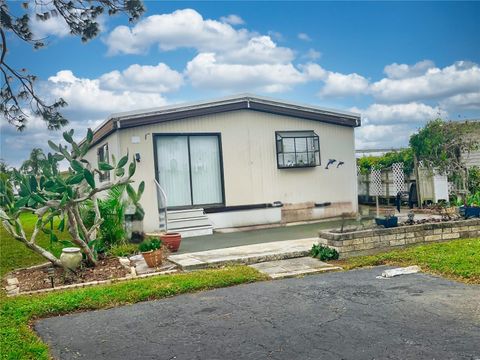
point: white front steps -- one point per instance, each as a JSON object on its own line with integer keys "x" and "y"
{"x": 190, "y": 222}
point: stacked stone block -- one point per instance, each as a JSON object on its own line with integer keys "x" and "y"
{"x": 368, "y": 241}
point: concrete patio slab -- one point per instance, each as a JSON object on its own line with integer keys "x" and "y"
{"x": 293, "y": 267}
{"x": 251, "y": 237}
{"x": 248, "y": 254}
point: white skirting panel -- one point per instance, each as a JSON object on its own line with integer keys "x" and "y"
{"x": 240, "y": 218}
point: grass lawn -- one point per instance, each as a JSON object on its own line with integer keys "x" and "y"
{"x": 14, "y": 255}
{"x": 457, "y": 259}
{"x": 18, "y": 341}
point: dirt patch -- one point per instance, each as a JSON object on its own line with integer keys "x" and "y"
{"x": 37, "y": 279}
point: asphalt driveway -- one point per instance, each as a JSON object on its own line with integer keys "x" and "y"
{"x": 345, "y": 315}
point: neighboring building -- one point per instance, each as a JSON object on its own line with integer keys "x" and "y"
{"x": 473, "y": 158}
{"x": 238, "y": 161}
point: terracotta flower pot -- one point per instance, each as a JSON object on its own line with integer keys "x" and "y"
{"x": 153, "y": 258}
{"x": 171, "y": 240}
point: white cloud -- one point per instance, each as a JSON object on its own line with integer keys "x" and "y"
{"x": 182, "y": 28}
{"x": 227, "y": 58}
{"x": 435, "y": 83}
{"x": 143, "y": 78}
{"x": 390, "y": 126}
{"x": 88, "y": 101}
{"x": 413, "y": 112}
{"x": 304, "y": 37}
{"x": 314, "y": 71}
{"x": 454, "y": 85}
{"x": 35, "y": 135}
{"x": 276, "y": 35}
{"x": 403, "y": 71}
{"x": 382, "y": 136}
{"x": 55, "y": 25}
{"x": 312, "y": 54}
{"x": 337, "y": 84}
{"x": 468, "y": 101}
{"x": 258, "y": 50}
{"x": 232, "y": 19}
{"x": 205, "y": 71}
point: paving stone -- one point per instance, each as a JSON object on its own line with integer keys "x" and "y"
{"x": 248, "y": 254}
{"x": 12, "y": 281}
{"x": 293, "y": 267}
{"x": 125, "y": 262}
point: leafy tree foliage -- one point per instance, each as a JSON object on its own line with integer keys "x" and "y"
{"x": 4, "y": 168}
{"x": 17, "y": 93}
{"x": 34, "y": 163}
{"x": 474, "y": 180}
{"x": 443, "y": 145}
{"x": 367, "y": 163}
{"x": 51, "y": 194}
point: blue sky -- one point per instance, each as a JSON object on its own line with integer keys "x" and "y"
{"x": 397, "y": 63}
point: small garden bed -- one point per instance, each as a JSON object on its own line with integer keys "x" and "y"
{"x": 39, "y": 278}
{"x": 110, "y": 269}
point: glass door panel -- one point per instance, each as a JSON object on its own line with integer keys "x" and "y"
{"x": 173, "y": 169}
{"x": 205, "y": 170}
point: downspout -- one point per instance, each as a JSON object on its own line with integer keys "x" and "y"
{"x": 119, "y": 149}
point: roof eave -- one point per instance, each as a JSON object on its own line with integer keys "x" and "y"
{"x": 247, "y": 101}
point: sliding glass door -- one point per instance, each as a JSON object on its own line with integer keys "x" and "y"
{"x": 189, "y": 169}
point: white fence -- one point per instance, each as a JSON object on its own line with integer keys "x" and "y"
{"x": 386, "y": 183}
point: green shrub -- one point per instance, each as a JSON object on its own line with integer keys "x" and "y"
{"x": 112, "y": 210}
{"x": 474, "y": 199}
{"x": 323, "y": 252}
{"x": 150, "y": 244}
{"x": 474, "y": 179}
{"x": 123, "y": 250}
{"x": 405, "y": 156}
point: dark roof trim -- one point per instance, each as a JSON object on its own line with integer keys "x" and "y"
{"x": 159, "y": 115}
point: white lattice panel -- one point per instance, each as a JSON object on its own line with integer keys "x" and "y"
{"x": 376, "y": 186}
{"x": 451, "y": 188}
{"x": 398, "y": 178}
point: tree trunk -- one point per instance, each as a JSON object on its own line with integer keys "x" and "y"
{"x": 47, "y": 255}
{"x": 73, "y": 230}
{"x": 34, "y": 247}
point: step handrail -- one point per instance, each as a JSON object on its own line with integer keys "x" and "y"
{"x": 162, "y": 198}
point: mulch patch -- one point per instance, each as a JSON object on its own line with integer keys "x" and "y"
{"x": 37, "y": 279}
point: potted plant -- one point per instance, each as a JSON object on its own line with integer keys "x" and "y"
{"x": 389, "y": 221}
{"x": 151, "y": 250}
{"x": 171, "y": 240}
{"x": 472, "y": 207}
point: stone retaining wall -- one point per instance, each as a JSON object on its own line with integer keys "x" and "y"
{"x": 372, "y": 240}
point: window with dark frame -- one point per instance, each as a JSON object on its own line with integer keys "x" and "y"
{"x": 103, "y": 156}
{"x": 297, "y": 149}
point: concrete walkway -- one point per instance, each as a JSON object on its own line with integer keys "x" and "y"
{"x": 259, "y": 236}
{"x": 248, "y": 254}
{"x": 293, "y": 267}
